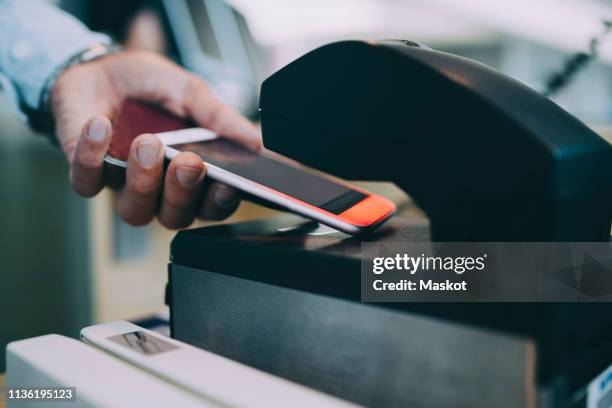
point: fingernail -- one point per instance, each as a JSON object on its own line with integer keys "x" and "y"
{"x": 225, "y": 196}
{"x": 147, "y": 153}
{"x": 188, "y": 176}
{"x": 98, "y": 129}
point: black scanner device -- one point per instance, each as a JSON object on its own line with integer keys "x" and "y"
{"x": 484, "y": 156}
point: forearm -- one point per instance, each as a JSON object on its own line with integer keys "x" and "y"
{"x": 35, "y": 40}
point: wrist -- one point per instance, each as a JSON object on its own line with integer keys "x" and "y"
{"x": 41, "y": 119}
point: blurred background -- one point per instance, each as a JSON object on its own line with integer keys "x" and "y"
{"x": 67, "y": 262}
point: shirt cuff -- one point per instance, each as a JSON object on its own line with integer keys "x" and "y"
{"x": 11, "y": 94}
{"x": 35, "y": 40}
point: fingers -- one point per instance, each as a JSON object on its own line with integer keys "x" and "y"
{"x": 208, "y": 111}
{"x": 219, "y": 202}
{"x": 182, "y": 190}
{"x": 86, "y": 171}
{"x": 98, "y": 88}
{"x": 137, "y": 202}
{"x": 79, "y": 94}
{"x": 180, "y": 92}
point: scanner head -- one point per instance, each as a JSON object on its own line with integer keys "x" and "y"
{"x": 487, "y": 158}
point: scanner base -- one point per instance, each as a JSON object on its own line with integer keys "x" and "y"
{"x": 282, "y": 296}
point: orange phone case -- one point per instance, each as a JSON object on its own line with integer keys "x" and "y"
{"x": 136, "y": 117}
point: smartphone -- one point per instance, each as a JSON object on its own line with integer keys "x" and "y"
{"x": 278, "y": 180}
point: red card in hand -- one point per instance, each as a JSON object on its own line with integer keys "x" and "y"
{"x": 135, "y": 118}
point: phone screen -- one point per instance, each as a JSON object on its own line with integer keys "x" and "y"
{"x": 277, "y": 175}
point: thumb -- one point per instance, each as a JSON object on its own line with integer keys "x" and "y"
{"x": 208, "y": 111}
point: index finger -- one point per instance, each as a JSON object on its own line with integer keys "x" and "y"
{"x": 86, "y": 170}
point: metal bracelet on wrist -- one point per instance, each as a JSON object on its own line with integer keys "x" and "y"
{"x": 42, "y": 118}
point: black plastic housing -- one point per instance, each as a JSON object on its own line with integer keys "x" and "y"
{"x": 487, "y": 158}
{"x": 273, "y": 296}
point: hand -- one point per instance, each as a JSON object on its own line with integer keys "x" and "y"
{"x": 86, "y": 96}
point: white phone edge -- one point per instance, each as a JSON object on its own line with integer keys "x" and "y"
{"x": 195, "y": 135}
